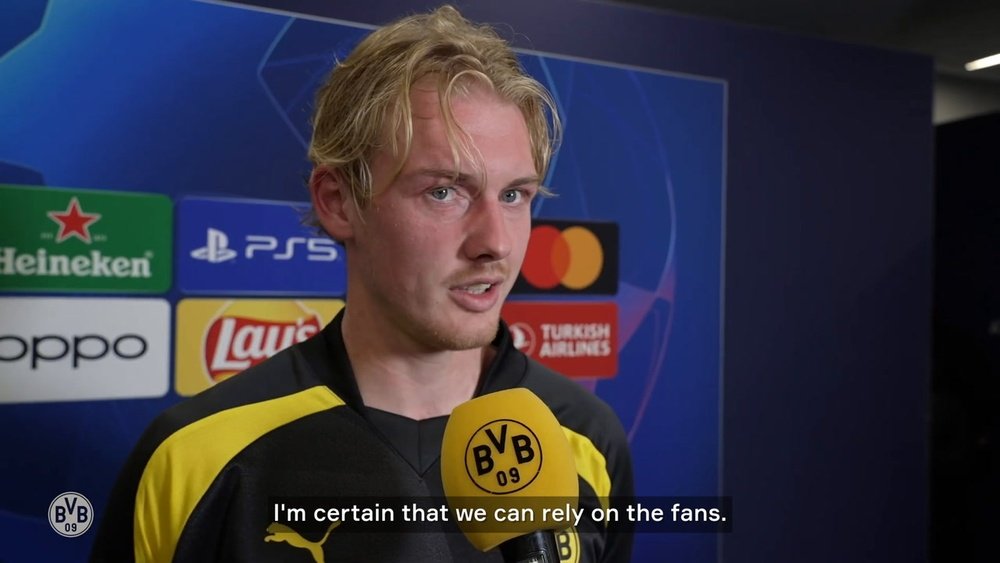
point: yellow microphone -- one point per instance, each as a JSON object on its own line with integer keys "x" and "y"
{"x": 509, "y": 475}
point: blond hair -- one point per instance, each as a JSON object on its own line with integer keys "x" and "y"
{"x": 365, "y": 103}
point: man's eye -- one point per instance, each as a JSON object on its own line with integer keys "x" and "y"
{"x": 443, "y": 194}
{"x": 512, "y": 196}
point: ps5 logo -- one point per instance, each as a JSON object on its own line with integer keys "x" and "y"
{"x": 216, "y": 249}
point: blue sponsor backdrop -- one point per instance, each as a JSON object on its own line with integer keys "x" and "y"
{"x": 232, "y": 247}
{"x": 207, "y": 103}
{"x": 824, "y": 151}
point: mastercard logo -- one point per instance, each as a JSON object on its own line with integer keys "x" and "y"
{"x": 570, "y": 257}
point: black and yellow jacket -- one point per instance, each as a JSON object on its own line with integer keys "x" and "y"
{"x": 201, "y": 482}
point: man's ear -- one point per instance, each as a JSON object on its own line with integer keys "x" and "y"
{"x": 332, "y": 202}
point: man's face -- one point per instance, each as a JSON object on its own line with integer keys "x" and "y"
{"x": 439, "y": 249}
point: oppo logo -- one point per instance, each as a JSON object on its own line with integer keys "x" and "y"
{"x": 76, "y": 349}
{"x": 83, "y": 348}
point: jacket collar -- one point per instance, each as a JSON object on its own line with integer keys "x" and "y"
{"x": 328, "y": 357}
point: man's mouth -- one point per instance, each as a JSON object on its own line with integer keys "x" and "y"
{"x": 477, "y": 288}
{"x": 477, "y": 294}
{"x": 478, "y": 285}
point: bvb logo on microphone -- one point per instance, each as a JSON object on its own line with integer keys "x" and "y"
{"x": 503, "y": 457}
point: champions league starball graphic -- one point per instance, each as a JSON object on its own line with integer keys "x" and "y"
{"x": 222, "y": 112}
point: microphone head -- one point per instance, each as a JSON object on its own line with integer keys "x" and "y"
{"x": 506, "y": 454}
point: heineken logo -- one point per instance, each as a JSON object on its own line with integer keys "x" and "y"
{"x": 95, "y": 265}
{"x": 83, "y": 240}
{"x": 74, "y": 222}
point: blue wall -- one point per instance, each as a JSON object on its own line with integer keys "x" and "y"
{"x": 827, "y": 263}
{"x": 827, "y": 269}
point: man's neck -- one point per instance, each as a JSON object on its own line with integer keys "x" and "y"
{"x": 412, "y": 383}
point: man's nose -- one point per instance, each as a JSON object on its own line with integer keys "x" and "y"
{"x": 488, "y": 233}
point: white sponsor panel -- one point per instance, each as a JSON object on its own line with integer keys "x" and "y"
{"x": 79, "y": 349}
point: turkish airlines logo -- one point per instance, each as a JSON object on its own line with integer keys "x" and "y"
{"x": 578, "y": 339}
{"x": 523, "y": 337}
{"x": 217, "y": 251}
{"x": 570, "y": 257}
{"x": 73, "y": 222}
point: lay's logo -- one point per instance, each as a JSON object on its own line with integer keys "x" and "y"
{"x": 234, "y": 344}
{"x": 570, "y": 257}
{"x": 218, "y": 338}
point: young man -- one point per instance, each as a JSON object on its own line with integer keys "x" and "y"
{"x": 429, "y": 144}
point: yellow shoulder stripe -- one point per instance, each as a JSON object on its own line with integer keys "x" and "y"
{"x": 590, "y": 464}
{"x": 183, "y": 467}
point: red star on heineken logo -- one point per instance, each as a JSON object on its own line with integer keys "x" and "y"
{"x": 74, "y": 222}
